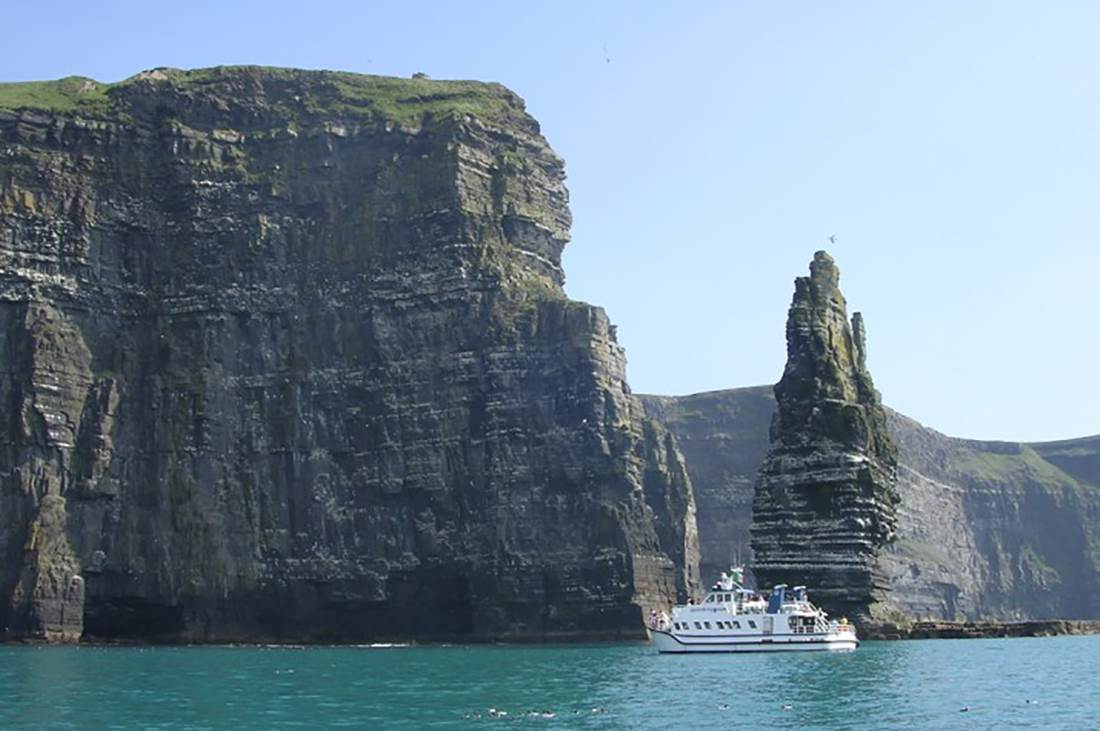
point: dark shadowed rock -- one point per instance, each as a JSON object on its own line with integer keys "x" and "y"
{"x": 724, "y": 437}
{"x": 825, "y": 500}
{"x": 285, "y": 355}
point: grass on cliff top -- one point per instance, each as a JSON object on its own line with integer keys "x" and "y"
{"x": 331, "y": 93}
{"x": 68, "y": 94}
{"x": 1015, "y": 469}
{"x": 408, "y": 100}
{"x": 398, "y": 99}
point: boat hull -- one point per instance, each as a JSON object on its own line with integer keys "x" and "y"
{"x": 666, "y": 642}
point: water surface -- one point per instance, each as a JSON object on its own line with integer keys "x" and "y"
{"x": 1048, "y": 682}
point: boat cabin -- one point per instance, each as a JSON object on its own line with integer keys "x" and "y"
{"x": 731, "y": 608}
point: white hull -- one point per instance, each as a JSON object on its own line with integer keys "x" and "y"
{"x": 732, "y": 618}
{"x": 668, "y": 642}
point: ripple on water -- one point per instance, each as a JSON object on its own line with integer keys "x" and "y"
{"x": 1002, "y": 683}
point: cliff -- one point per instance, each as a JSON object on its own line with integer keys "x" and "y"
{"x": 724, "y": 438}
{"x": 285, "y": 355}
{"x": 985, "y": 530}
{"x": 996, "y": 530}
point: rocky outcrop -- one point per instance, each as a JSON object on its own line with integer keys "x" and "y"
{"x": 985, "y": 530}
{"x": 937, "y": 630}
{"x": 824, "y": 504}
{"x": 286, "y": 355}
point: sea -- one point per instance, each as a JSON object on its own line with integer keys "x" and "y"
{"x": 1043, "y": 683}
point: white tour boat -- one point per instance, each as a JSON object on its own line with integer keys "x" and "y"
{"x": 734, "y": 619}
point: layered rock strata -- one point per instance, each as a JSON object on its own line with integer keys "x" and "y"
{"x": 995, "y": 530}
{"x": 286, "y": 355}
{"x": 985, "y": 530}
{"x": 825, "y": 500}
{"x": 724, "y": 438}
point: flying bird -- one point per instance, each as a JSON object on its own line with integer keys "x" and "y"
{"x": 832, "y": 239}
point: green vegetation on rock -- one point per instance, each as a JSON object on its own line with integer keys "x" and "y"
{"x": 69, "y": 94}
{"x": 1022, "y": 465}
{"x": 293, "y": 92}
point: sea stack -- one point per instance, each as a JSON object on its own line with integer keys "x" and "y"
{"x": 825, "y": 497}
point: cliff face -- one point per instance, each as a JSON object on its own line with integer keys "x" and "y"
{"x": 825, "y": 501}
{"x": 994, "y": 530}
{"x": 285, "y": 354}
{"x": 724, "y": 438}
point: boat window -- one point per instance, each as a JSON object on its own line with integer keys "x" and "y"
{"x": 698, "y": 626}
{"x": 728, "y": 598}
{"x": 706, "y": 625}
{"x": 736, "y": 624}
{"x": 752, "y": 624}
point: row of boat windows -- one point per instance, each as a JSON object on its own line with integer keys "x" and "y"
{"x": 706, "y": 625}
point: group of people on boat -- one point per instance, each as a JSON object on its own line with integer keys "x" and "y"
{"x": 659, "y": 621}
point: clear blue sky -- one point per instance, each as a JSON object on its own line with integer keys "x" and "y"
{"x": 952, "y": 147}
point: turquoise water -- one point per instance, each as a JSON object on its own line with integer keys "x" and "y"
{"x": 916, "y": 684}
